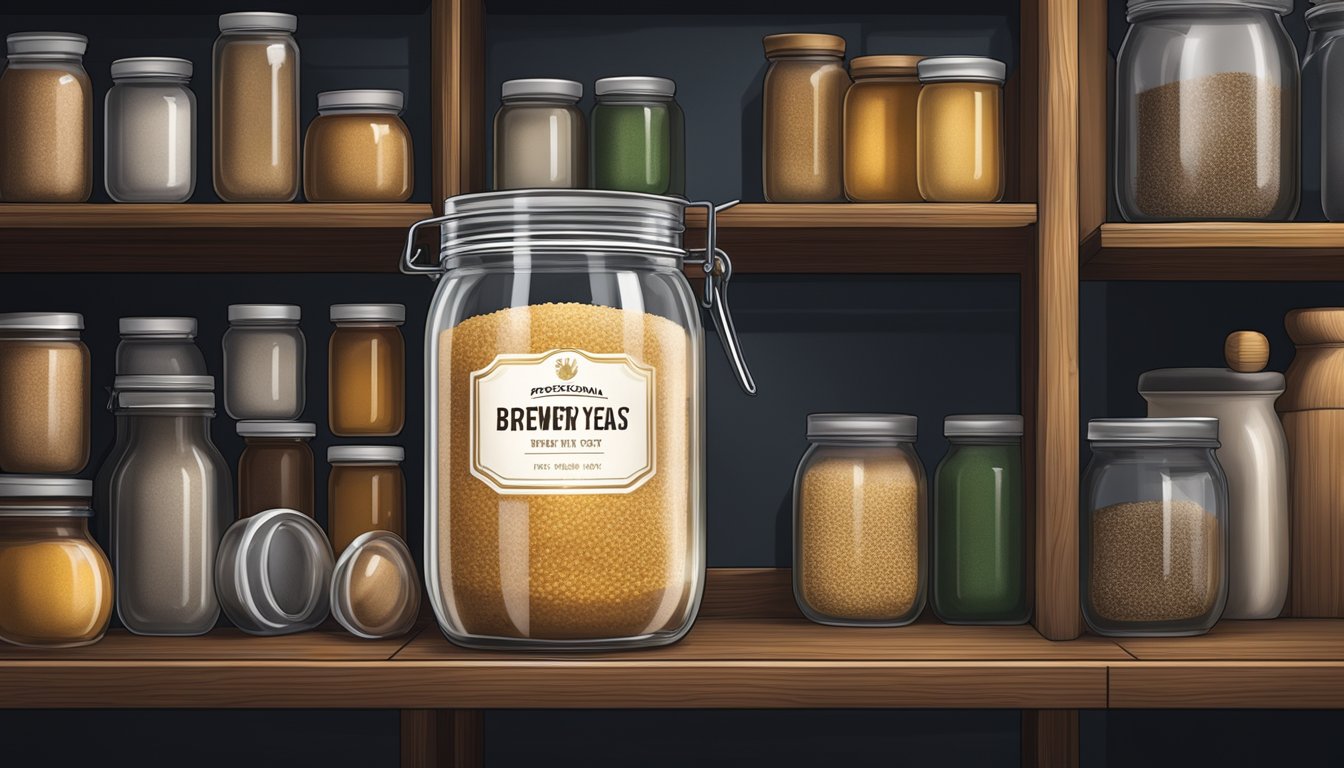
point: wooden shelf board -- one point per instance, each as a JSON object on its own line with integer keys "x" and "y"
{"x": 872, "y": 216}
{"x": 211, "y": 215}
{"x": 222, "y": 647}
{"x": 1218, "y": 251}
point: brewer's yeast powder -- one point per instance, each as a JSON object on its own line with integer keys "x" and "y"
{"x": 1154, "y": 561}
{"x": 568, "y": 564}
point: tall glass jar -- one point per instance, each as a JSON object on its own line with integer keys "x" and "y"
{"x": 275, "y": 470}
{"x": 1154, "y": 528}
{"x": 46, "y": 120}
{"x": 150, "y": 132}
{"x": 1323, "y": 113}
{"x": 358, "y": 150}
{"x": 804, "y": 111}
{"x": 256, "y": 108}
{"x": 1206, "y": 112}
{"x": 265, "y": 356}
{"x": 541, "y": 141}
{"x": 171, "y": 502}
{"x": 881, "y": 129}
{"x": 960, "y": 157}
{"x": 565, "y": 413}
{"x": 858, "y": 521}
{"x": 366, "y": 380}
{"x": 639, "y": 136}
{"x": 44, "y": 393}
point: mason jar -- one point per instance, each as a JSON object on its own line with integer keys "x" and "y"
{"x": 803, "y": 104}
{"x": 256, "y": 108}
{"x": 46, "y": 120}
{"x": 541, "y": 140}
{"x": 150, "y": 132}
{"x": 1323, "y": 113}
{"x": 565, "y": 419}
{"x": 1154, "y": 528}
{"x": 265, "y": 360}
{"x": 44, "y": 393}
{"x": 639, "y": 136}
{"x": 1207, "y": 112}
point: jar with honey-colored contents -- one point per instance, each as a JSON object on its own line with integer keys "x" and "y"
{"x": 881, "y": 121}
{"x": 367, "y": 376}
{"x": 804, "y": 106}
{"x": 366, "y": 492}
{"x": 256, "y": 108}
{"x": 358, "y": 150}
{"x": 961, "y": 129}
{"x": 46, "y": 120}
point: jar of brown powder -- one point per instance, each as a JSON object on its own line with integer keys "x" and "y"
{"x": 358, "y": 150}
{"x": 44, "y": 393}
{"x": 804, "y": 106}
{"x": 276, "y": 467}
{"x": 256, "y": 108}
{"x": 46, "y": 120}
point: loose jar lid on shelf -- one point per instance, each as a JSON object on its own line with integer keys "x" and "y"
{"x": 1197, "y": 429}
{"x": 1281, "y": 7}
{"x": 361, "y": 101}
{"x": 879, "y": 426}
{"x": 259, "y": 21}
{"x": 44, "y": 487}
{"x": 635, "y": 86}
{"x": 151, "y": 68}
{"x": 368, "y": 313}
{"x": 803, "y": 43}
{"x": 41, "y": 321}
{"x": 39, "y": 44}
{"x": 541, "y": 88}
{"x": 273, "y": 573}
{"x": 366, "y": 454}
{"x": 264, "y": 313}
{"x": 375, "y": 592}
{"x": 158, "y": 327}
{"x": 879, "y": 66}
{"x": 983, "y": 425}
{"x": 163, "y": 383}
{"x": 297, "y": 429}
{"x": 960, "y": 69}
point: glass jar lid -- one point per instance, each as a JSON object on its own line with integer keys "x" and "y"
{"x": 370, "y": 100}
{"x": 983, "y": 425}
{"x": 41, "y": 321}
{"x": 158, "y": 327}
{"x": 862, "y": 426}
{"x": 884, "y": 66}
{"x": 273, "y": 573}
{"x": 659, "y": 87}
{"x": 163, "y": 383}
{"x": 1198, "y": 429}
{"x": 962, "y": 69}
{"x": 244, "y": 314}
{"x": 46, "y": 45}
{"x": 803, "y": 44}
{"x": 1140, "y": 7}
{"x": 368, "y": 313}
{"x": 290, "y": 429}
{"x": 165, "y": 401}
{"x": 29, "y": 496}
{"x": 366, "y": 454}
{"x": 541, "y": 88}
{"x": 258, "y": 21}
{"x": 151, "y": 68}
{"x": 375, "y": 592}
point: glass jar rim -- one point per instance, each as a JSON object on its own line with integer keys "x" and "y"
{"x": 258, "y": 21}
{"x": 1139, "y": 8}
{"x": 41, "y": 321}
{"x": 277, "y": 429}
{"x": 264, "y": 314}
{"x": 365, "y": 454}
{"x": 1184, "y": 430}
{"x": 43, "y": 487}
{"x": 885, "y": 427}
{"x": 541, "y": 89}
{"x": 394, "y": 314}
{"x": 37, "y": 46}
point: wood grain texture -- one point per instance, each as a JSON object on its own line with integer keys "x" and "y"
{"x": 1253, "y": 685}
{"x": 459, "y": 82}
{"x": 1050, "y": 738}
{"x": 178, "y": 216}
{"x": 749, "y": 593}
{"x": 1028, "y": 100}
{"x": 1057, "y": 615}
{"x": 1316, "y": 512}
{"x": 439, "y": 738}
{"x": 1237, "y": 236}
{"x": 1239, "y": 641}
{"x": 870, "y": 216}
{"x": 1246, "y": 351}
{"x": 220, "y": 646}
{"x": 1093, "y": 116}
{"x": 1219, "y": 251}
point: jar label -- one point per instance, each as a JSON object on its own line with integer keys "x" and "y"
{"x": 563, "y": 421}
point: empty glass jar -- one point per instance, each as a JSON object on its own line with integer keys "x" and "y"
{"x": 46, "y": 120}
{"x": 150, "y": 132}
{"x": 265, "y": 355}
{"x": 541, "y": 141}
{"x": 366, "y": 380}
{"x": 276, "y": 467}
{"x": 256, "y": 108}
{"x": 804, "y": 108}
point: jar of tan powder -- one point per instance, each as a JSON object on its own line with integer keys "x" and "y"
{"x": 859, "y": 521}
{"x": 961, "y": 129}
{"x": 541, "y": 139}
{"x": 46, "y": 120}
{"x": 256, "y": 108}
{"x": 358, "y": 150}
{"x": 367, "y": 370}
{"x": 44, "y": 393}
{"x": 804, "y": 106}
{"x": 375, "y": 590}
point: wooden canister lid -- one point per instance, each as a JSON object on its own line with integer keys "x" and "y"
{"x": 803, "y": 43}
{"x": 884, "y": 66}
{"x": 1320, "y": 325}
{"x": 1316, "y": 376}
{"x": 1246, "y": 351}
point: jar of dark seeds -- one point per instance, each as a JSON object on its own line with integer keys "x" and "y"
{"x": 1207, "y": 112}
{"x": 1154, "y": 528}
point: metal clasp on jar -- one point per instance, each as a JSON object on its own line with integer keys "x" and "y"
{"x": 718, "y": 272}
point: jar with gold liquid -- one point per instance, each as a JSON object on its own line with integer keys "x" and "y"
{"x": 367, "y": 377}
{"x": 881, "y": 119}
{"x": 960, "y": 157}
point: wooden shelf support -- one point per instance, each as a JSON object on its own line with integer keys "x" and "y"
{"x": 442, "y": 738}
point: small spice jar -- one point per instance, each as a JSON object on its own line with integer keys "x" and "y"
{"x": 55, "y": 582}
{"x": 858, "y": 521}
{"x": 804, "y": 107}
{"x": 881, "y": 124}
{"x": 159, "y": 346}
{"x": 979, "y": 572}
{"x": 1154, "y": 528}
{"x": 256, "y": 108}
{"x": 276, "y": 467}
{"x": 367, "y": 370}
{"x": 375, "y": 591}
{"x": 46, "y": 120}
{"x": 639, "y": 136}
{"x": 44, "y": 393}
{"x": 960, "y": 157}
{"x": 264, "y": 360}
{"x": 540, "y": 138}
{"x": 150, "y": 132}
{"x": 358, "y": 150}
{"x": 366, "y": 492}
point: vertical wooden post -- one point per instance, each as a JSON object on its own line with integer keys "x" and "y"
{"x": 441, "y": 738}
{"x": 458, "y": 82}
{"x": 1049, "y": 738}
{"x": 1093, "y": 119}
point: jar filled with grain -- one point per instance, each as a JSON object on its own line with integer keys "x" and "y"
{"x": 366, "y": 492}
{"x": 1207, "y": 112}
{"x": 541, "y": 140}
{"x": 366, "y": 380}
{"x": 265, "y": 358}
{"x": 150, "y": 133}
{"x": 45, "y": 396}
{"x": 46, "y": 120}
{"x": 275, "y": 469}
{"x": 1153, "y": 541}
{"x": 256, "y": 108}
{"x": 639, "y": 136}
{"x": 358, "y": 150}
{"x": 881, "y": 123}
{"x": 804, "y": 109}
{"x": 858, "y": 521}
{"x": 960, "y": 157}
{"x": 565, "y": 410}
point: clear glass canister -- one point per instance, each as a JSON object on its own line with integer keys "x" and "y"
{"x": 639, "y": 136}
{"x": 366, "y": 380}
{"x": 358, "y": 150}
{"x": 256, "y": 108}
{"x": 45, "y": 396}
{"x": 150, "y": 132}
{"x": 565, "y": 419}
{"x": 366, "y": 492}
{"x": 881, "y": 124}
{"x": 275, "y": 470}
{"x": 804, "y": 110}
{"x": 1206, "y": 112}
{"x": 541, "y": 141}
{"x": 265, "y": 356}
{"x": 1154, "y": 528}
{"x": 46, "y": 120}
{"x": 961, "y": 129}
{"x": 375, "y": 590}
{"x": 159, "y": 346}
{"x": 979, "y": 566}
{"x": 858, "y": 521}
{"x": 55, "y": 583}
{"x": 1323, "y": 113}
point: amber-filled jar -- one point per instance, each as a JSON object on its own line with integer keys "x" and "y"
{"x": 961, "y": 129}
{"x": 881, "y": 121}
{"x": 46, "y": 120}
{"x": 367, "y": 378}
{"x": 256, "y": 108}
{"x": 366, "y": 492}
{"x": 276, "y": 468}
{"x": 804, "y": 107}
{"x": 358, "y": 150}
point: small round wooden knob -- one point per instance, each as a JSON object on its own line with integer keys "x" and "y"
{"x": 1246, "y": 351}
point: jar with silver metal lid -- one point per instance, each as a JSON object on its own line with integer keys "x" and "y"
{"x": 1154, "y": 527}
{"x": 639, "y": 136}
{"x": 366, "y": 364}
{"x": 274, "y": 573}
{"x": 960, "y": 152}
{"x": 366, "y": 492}
{"x": 265, "y": 355}
{"x": 358, "y": 150}
{"x": 275, "y": 469}
{"x": 159, "y": 346}
{"x": 45, "y": 395}
{"x": 256, "y": 108}
{"x": 46, "y": 120}
{"x": 150, "y": 132}
{"x": 541, "y": 141}
{"x": 565, "y": 404}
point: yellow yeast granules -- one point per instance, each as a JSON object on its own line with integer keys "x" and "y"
{"x": 53, "y": 591}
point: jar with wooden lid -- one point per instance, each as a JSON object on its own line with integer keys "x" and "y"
{"x": 55, "y": 582}
{"x": 804, "y": 109}
{"x": 367, "y": 376}
{"x": 960, "y": 156}
{"x": 881, "y": 123}
{"x": 358, "y": 150}
{"x": 541, "y": 139}
{"x": 276, "y": 467}
{"x": 46, "y": 120}
{"x": 45, "y": 396}
{"x": 859, "y": 526}
{"x": 256, "y": 108}
{"x": 366, "y": 492}
{"x": 150, "y": 133}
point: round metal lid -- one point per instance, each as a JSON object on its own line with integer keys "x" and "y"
{"x": 151, "y": 68}
{"x": 366, "y": 454}
{"x": 361, "y": 101}
{"x": 46, "y": 44}
{"x": 983, "y": 425}
{"x": 945, "y": 69}
{"x": 41, "y": 321}
{"x": 802, "y": 44}
{"x": 1325, "y": 14}
{"x": 259, "y": 21}
{"x": 1137, "y": 7}
{"x": 44, "y": 487}
{"x": 273, "y": 573}
{"x": 295, "y": 429}
{"x": 165, "y": 401}
{"x": 884, "y": 66}
{"x": 883, "y": 426}
{"x": 1210, "y": 380}
{"x": 1197, "y": 429}
{"x": 264, "y": 313}
{"x": 375, "y": 591}
{"x": 158, "y": 327}
{"x": 635, "y": 86}
{"x": 163, "y": 383}
{"x": 541, "y": 88}
{"x": 368, "y": 313}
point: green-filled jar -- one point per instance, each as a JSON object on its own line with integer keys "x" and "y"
{"x": 639, "y": 136}
{"x": 979, "y": 573}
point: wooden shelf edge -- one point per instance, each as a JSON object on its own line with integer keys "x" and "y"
{"x": 177, "y": 216}
{"x": 872, "y": 216}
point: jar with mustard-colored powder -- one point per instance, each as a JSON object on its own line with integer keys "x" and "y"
{"x": 881, "y": 121}
{"x": 256, "y": 108}
{"x": 46, "y": 120}
{"x": 961, "y": 129}
{"x": 358, "y": 150}
{"x": 804, "y": 106}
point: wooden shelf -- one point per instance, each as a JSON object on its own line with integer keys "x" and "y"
{"x": 1216, "y": 251}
